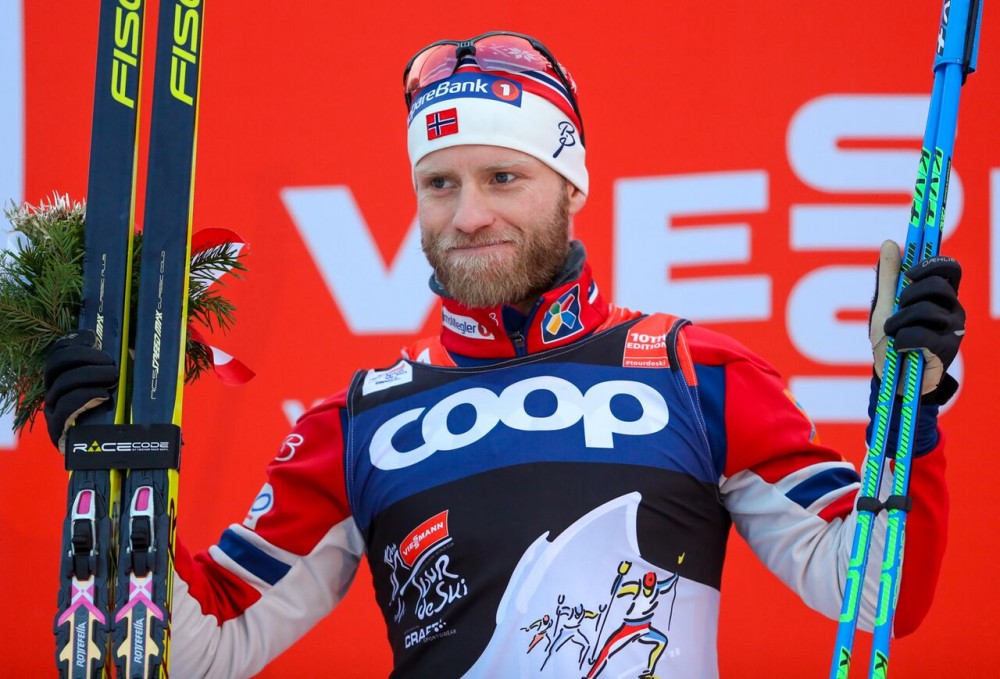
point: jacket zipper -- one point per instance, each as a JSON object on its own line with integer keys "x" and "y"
{"x": 517, "y": 337}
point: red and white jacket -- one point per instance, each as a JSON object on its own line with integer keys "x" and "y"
{"x": 574, "y": 478}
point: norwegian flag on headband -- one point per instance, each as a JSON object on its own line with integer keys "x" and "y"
{"x": 442, "y": 123}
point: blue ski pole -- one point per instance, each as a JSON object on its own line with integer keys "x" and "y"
{"x": 958, "y": 42}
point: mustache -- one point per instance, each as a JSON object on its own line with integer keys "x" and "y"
{"x": 458, "y": 240}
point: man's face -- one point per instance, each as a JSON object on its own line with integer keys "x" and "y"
{"x": 494, "y": 223}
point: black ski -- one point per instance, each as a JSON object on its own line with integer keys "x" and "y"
{"x": 149, "y": 496}
{"x": 138, "y": 450}
{"x": 86, "y": 578}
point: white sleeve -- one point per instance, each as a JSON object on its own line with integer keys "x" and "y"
{"x": 242, "y": 645}
{"x": 807, "y": 552}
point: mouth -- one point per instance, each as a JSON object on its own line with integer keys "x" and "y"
{"x": 479, "y": 248}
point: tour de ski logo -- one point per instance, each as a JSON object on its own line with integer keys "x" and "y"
{"x": 423, "y": 581}
{"x": 562, "y": 319}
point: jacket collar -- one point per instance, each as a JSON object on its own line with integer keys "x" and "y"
{"x": 571, "y": 309}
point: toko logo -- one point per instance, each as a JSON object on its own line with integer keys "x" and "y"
{"x": 593, "y": 407}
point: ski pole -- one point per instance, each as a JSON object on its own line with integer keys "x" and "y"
{"x": 958, "y": 46}
{"x": 958, "y": 42}
{"x": 623, "y": 568}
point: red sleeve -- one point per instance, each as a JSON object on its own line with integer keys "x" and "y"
{"x": 926, "y": 539}
{"x": 766, "y": 429}
{"x": 303, "y": 498}
{"x": 768, "y": 434}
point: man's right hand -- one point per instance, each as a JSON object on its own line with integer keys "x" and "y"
{"x": 78, "y": 377}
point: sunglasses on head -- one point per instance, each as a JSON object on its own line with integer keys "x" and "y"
{"x": 493, "y": 51}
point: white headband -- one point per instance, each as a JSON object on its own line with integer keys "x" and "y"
{"x": 475, "y": 107}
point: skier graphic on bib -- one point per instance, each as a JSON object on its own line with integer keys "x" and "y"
{"x": 568, "y": 621}
{"x": 543, "y": 624}
{"x": 636, "y": 624}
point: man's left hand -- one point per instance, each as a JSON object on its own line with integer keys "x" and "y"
{"x": 930, "y": 316}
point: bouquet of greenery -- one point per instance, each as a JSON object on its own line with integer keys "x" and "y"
{"x": 41, "y": 283}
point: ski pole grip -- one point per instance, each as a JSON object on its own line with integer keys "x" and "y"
{"x": 972, "y": 46}
{"x": 958, "y": 36}
{"x": 123, "y": 446}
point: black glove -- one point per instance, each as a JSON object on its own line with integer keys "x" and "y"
{"x": 930, "y": 317}
{"x": 78, "y": 377}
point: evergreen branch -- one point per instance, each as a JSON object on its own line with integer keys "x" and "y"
{"x": 41, "y": 287}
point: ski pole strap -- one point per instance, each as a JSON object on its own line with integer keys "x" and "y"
{"x": 926, "y": 436}
{"x": 123, "y": 446}
{"x": 873, "y": 505}
{"x": 869, "y": 504}
{"x": 900, "y": 502}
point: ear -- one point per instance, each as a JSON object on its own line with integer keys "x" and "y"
{"x": 577, "y": 198}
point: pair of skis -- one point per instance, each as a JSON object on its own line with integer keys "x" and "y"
{"x": 955, "y": 59}
{"x": 116, "y": 571}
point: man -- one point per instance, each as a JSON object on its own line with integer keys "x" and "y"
{"x": 546, "y": 436}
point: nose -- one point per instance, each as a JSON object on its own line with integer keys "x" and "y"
{"x": 472, "y": 211}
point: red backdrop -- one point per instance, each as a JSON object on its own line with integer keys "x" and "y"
{"x": 780, "y": 126}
